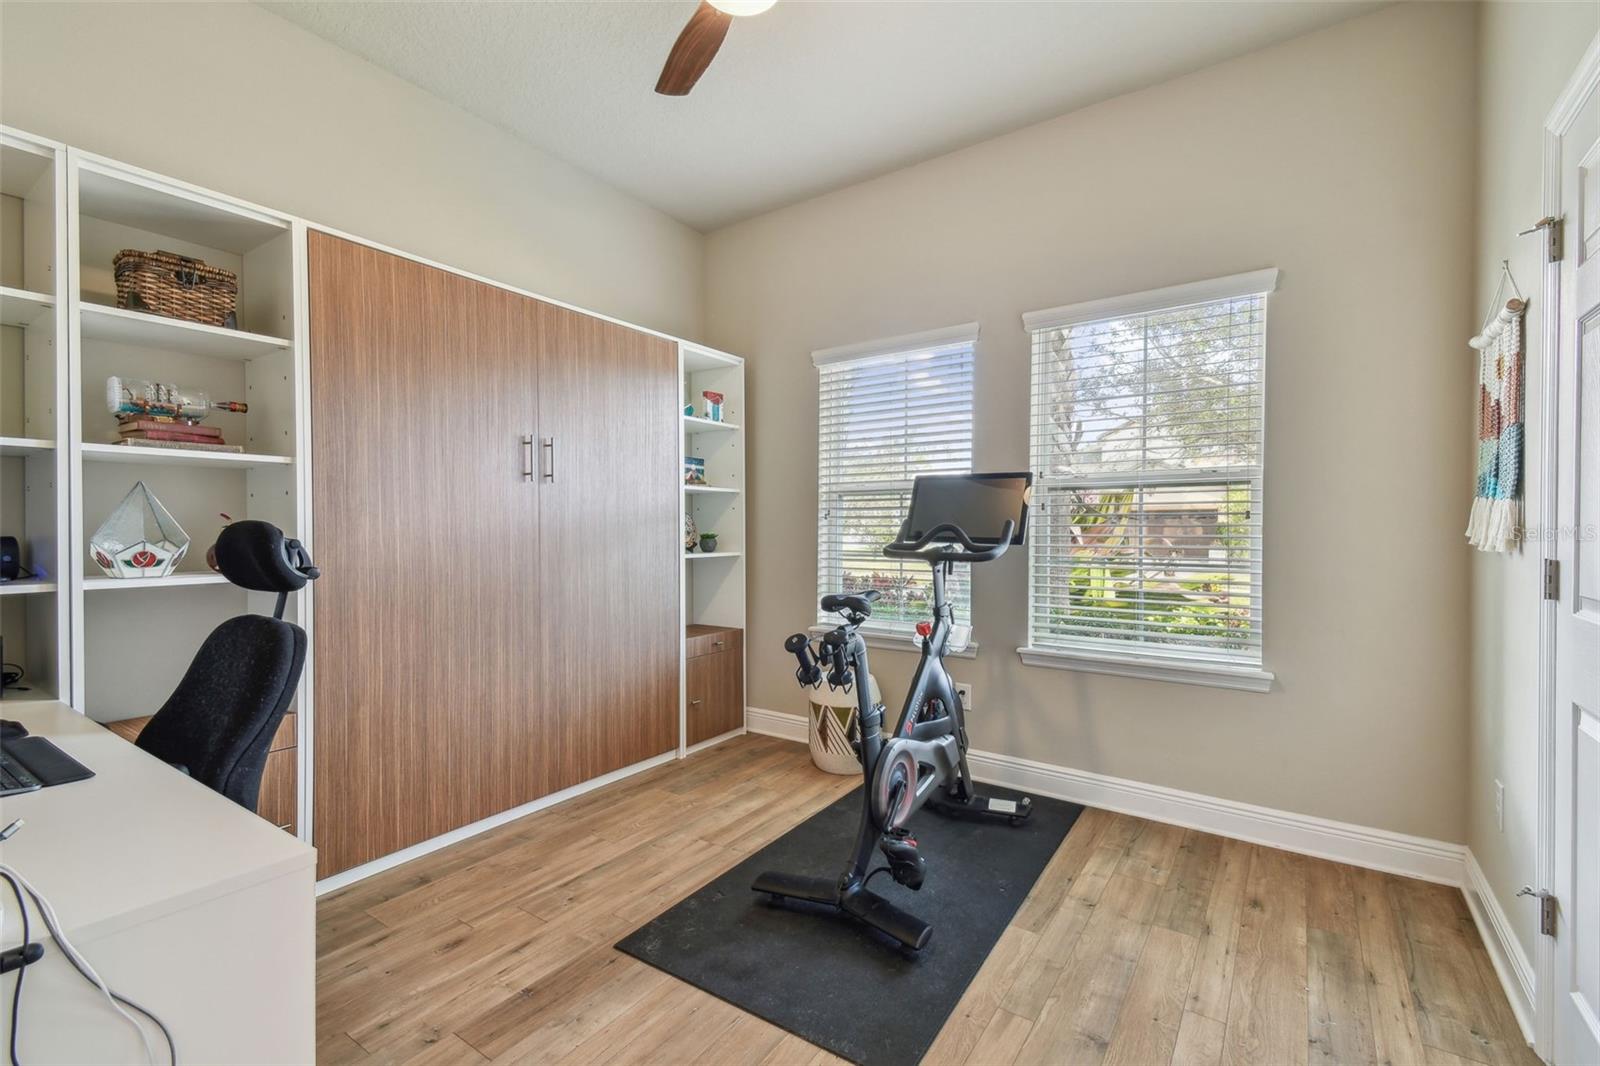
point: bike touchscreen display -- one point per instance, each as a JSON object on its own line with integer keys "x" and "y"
{"x": 978, "y": 503}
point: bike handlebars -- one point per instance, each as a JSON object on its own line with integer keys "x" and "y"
{"x": 810, "y": 673}
{"x": 974, "y": 553}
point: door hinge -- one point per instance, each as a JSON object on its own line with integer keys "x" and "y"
{"x": 1552, "y": 579}
{"x": 1547, "y": 909}
{"x": 1551, "y": 225}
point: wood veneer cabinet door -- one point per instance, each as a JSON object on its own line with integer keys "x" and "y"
{"x": 715, "y": 689}
{"x": 431, "y": 709}
{"x": 610, "y": 542}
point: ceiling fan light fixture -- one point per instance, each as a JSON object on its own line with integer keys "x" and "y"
{"x": 742, "y": 7}
{"x": 699, "y": 40}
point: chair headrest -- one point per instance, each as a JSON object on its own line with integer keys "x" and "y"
{"x": 257, "y": 556}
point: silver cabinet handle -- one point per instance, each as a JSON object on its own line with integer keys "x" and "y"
{"x": 527, "y": 458}
{"x": 694, "y": 702}
{"x": 549, "y": 446}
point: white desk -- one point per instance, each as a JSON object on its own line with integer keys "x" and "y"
{"x": 183, "y": 901}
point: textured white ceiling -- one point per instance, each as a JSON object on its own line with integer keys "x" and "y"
{"x": 808, "y": 97}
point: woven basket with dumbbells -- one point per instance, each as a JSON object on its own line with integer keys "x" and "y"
{"x": 175, "y": 286}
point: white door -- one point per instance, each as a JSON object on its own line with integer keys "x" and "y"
{"x": 1577, "y": 548}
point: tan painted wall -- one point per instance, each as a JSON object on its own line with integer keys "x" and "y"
{"x": 1526, "y": 52}
{"x": 231, "y": 97}
{"x": 1344, "y": 158}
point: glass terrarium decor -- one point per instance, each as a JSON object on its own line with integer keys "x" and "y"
{"x": 140, "y": 539}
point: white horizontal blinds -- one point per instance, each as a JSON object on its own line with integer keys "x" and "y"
{"x": 1145, "y": 528}
{"x": 884, "y": 419}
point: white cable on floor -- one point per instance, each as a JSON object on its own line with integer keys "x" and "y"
{"x": 54, "y": 925}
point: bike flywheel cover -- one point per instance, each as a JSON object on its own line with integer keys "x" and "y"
{"x": 896, "y": 766}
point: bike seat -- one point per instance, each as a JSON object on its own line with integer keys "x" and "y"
{"x": 860, "y": 603}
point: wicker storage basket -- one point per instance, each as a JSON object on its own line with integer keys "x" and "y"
{"x": 164, "y": 283}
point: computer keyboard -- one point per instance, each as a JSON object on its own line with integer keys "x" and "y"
{"x": 14, "y": 777}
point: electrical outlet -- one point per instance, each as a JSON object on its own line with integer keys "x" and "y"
{"x": 1500, "y": 806}
{"x": 964, "y": 693}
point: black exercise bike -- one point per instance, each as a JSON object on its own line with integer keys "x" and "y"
{"x": 924, "y": 761}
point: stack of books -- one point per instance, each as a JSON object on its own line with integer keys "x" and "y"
{"x": 146, "y": 431}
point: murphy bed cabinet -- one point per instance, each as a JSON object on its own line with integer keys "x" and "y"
{"x": 498, "y": 525}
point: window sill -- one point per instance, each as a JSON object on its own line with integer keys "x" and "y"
{"x": 1151, "y": 668}
{"x": 899, "y": 642}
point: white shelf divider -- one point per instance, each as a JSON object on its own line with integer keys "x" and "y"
{"x": 18, "y": 307}
{"x": 128, "y": 453}
{"x": 696, "y": 424}
{"x": 696, "y": 358}
{"x": 25, "y": 586}
{"x": 694, "y": 556}
{"x": 12, "y": 447}
{"x": 709, "y": 490}
{"x": 102, "y": 323}
{"x": 171, "y": 581}
{"x": 119, "y": 193}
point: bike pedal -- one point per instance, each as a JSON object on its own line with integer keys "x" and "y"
{"x": 906, "y": 864}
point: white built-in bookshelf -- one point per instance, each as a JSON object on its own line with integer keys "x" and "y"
{"x": 137, "y": 635}
{"x": 714, "y": 583}
{"x": 34, "y": 613}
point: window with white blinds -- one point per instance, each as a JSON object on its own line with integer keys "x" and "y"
{"x": 1147, "y": 432}
{"x": 888, "y": 411}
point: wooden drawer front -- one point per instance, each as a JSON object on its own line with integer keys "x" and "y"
{"x": 278, "y": 793}
{"x": 709, "y": 640}
{"x": 288, "y": 734}
{"x": 715, "y": 690}
{"x": 129, "y": 728}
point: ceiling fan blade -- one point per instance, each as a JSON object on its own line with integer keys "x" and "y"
{"x": 695, "y": 48}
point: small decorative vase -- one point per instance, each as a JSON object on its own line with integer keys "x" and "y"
{"x": 691, "y": 535}
{"x": 140, "y": 539}
{"x": 708, "y": 542}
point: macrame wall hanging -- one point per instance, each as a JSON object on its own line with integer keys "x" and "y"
{"x": 1496, "y": 521}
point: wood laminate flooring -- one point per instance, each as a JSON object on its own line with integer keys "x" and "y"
{"x": 1141, "y": 943}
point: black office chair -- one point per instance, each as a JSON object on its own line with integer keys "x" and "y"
{"x": 218, "y": 725}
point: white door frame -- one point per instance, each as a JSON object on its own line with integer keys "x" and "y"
{"x": 1584, "y": 81}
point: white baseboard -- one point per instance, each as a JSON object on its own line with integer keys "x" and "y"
{"x": 416, "y": 851}
{"x": 1323, "y": 838}
{"x": 1505, "y": 950}
{"x": 777, "y": 724}
{"x": 1376, "y": 849}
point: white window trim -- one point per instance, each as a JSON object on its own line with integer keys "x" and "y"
{"x": 894, "y": 640}
{"x": 1154, "y": 666}
{"x": 1142, "y": 303}
{"x": 933, "y": 338}
{"x": 1241, "y": 677}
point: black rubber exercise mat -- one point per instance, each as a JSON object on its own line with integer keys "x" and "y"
{"x": 828, "y": 978}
